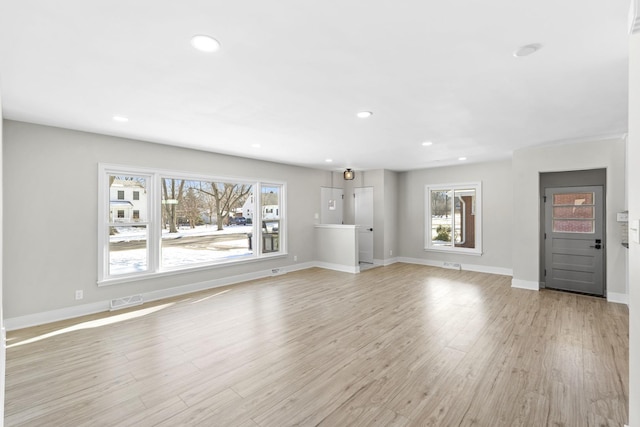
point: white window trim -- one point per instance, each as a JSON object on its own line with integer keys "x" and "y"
{"x": 428, "y": 245}
{"x": 154, "y": 268}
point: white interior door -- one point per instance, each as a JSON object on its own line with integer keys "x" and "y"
{"x": 364, "y": 221}
{"x": 575, "y": 239}
{"x": 331, "y": 201}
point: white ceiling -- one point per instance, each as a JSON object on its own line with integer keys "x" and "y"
{"x": 292, "y": 74}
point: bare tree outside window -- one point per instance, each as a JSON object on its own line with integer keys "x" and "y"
{"x": 172, "y": 193}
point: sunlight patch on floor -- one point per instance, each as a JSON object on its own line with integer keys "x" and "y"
{"x": 95, "y": 324}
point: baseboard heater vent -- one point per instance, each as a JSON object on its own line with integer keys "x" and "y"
{"x": 124, "y": 302}
{"x": 452, "y": 265}
{"x": 277, "y": 271}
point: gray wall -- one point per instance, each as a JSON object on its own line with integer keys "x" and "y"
{"x": 497, "y": 207}
{"x": 391, "y": 208}
{"x": 633, "y": 180}
{"x": 528, "y": 163}
{"x": 50, "y": 216}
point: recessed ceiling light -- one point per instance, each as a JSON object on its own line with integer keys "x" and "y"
{"x": 328, "y": 160}
{"x": 364, "y": 114}
{"x": 121, "y": 119}
{"x": 527, "y": 50}
{"x": 427, "y": 143}
{"x": 255, "y": 145}
{"x": 205, "y": 43}
{"x": 462, "y": 158}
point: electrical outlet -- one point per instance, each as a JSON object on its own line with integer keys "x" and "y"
{"x": 390, "y": 252}
{"x": 79, "y": 294}
{"x": 295, "y": 258}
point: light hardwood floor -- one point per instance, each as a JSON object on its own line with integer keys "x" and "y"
{"x": 397, "y": 345}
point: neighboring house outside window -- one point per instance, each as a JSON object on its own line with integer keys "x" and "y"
{"x": 453, "y": 220}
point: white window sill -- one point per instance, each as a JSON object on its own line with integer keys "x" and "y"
{"x": 459, "y": 251}
{"x": 185, "y": 270}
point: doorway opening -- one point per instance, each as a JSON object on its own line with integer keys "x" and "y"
{"x": 364, "y": 220}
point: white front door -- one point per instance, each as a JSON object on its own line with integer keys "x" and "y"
{"x": 364, "y": 221}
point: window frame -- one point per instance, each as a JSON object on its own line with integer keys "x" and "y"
{"x": 154, "y": 229}
{"x": 428, "y": 243}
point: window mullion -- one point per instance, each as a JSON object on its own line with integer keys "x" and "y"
{"x": 453, "y": 218}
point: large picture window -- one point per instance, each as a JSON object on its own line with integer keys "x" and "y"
{"x": 453, "y": 218}
{"x": 153, "y": 222}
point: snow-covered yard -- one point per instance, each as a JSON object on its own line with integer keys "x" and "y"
{"x": 132, "y": 260}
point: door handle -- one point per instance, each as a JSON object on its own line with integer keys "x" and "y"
{"x": 598, "y": 246}
{"x": 370, "y": 229}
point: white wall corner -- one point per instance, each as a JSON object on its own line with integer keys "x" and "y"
{"x": 525, "y": 284}
{"x": 618, "y": 298}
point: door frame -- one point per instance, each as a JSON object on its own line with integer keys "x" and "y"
{"x": 577, "y": 178}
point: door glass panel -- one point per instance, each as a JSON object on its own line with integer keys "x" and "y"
{"x": 586, "y": 212}
{"x": 573, "y": 199}
{"x": 573, "y": 213}
{"x": 568, "y": 226}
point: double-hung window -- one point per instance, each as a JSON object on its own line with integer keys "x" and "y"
{"x": 453, "y": 220}
{"x": 176, "y": 221}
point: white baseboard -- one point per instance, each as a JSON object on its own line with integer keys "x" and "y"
{"x": 618, "y": 298}
{"x": 525, "y": 284}
{"x": 468, "y": 267}
{"x": 338, "y": 267}
{"x": 36, "y": 319}
{"x": 97, "y": 307}
{"x": 385, "y": 262}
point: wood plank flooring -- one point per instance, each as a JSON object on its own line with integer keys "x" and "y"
{"x": 392, "y": 346}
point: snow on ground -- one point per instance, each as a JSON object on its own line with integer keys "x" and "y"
{"x": 134, "y": 260}
{"x": 127, "y": 234}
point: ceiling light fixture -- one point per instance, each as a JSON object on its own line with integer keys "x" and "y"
{"x": 364, "y": 114}
{"x": 349, "y": 174}
{"x": 328, "y": 160}
{"x": 462, "y": 159}
{"x": 255, "y": 145}
{"x": 205, "y": 43}
{"x": 527, "y": 50}
{"x": 427, "y": 143}
{"x": 121, "y": 119}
